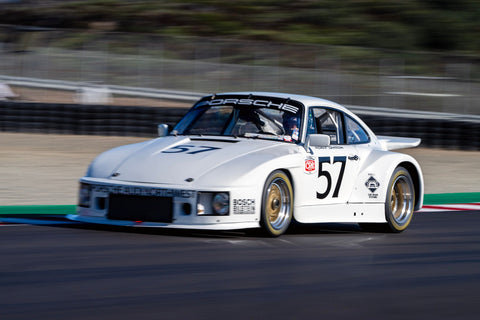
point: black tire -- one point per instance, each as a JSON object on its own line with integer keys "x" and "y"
{"x": 399, "y": 204}
{"x": 277, "y": 204}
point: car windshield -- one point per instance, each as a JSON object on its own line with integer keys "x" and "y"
{"x": 233, "y": 119}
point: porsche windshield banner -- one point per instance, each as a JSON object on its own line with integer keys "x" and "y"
{"x": 291, "y": 106}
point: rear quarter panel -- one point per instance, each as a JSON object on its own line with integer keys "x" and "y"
{"x": 376, "y": 171}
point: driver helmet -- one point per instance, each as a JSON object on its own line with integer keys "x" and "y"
{"x": 291, "y": 123}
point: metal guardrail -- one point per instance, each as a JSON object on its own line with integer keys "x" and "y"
{"x": 184, "y": 96}
{"x": 117, "y": 90}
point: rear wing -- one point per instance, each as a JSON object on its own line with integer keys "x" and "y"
{"x": 393, "y": 143}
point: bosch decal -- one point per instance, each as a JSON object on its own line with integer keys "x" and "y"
{"x": 243, "y": 206}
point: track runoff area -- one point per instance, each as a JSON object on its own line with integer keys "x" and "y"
{"x": 55, "y": 214}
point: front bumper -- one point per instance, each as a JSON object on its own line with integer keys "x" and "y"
{"x": 149, "y": 205}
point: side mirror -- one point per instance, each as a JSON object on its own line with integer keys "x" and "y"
{"x": 162, "y": 130}
{"x": 317, "y": 140}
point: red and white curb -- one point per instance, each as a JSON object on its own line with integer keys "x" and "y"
{"x": 451, "y": 207}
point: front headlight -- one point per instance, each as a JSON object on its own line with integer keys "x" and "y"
{"x": 213, "y": 204}
{"x": 84, "y": 195}
{"x": 221, "y": 203}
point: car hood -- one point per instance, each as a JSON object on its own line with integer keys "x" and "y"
{"x": 182, "y": 160}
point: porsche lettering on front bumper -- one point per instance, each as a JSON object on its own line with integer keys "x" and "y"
{"x": 142, "y": 191}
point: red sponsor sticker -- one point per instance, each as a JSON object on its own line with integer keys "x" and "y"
{"x": 309, "y": 165}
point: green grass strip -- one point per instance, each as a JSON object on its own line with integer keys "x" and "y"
{"x": 44, "y": 210}
{"x": 451, "y": 198}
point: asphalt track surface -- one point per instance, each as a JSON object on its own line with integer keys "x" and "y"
{"x": 78, "y": 271}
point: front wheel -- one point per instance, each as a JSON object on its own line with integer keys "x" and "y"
{"x": 277, "y": 204}
{"x": 399, "y": 203}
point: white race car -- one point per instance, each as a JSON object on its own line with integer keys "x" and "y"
{"x": 248, "y": 160}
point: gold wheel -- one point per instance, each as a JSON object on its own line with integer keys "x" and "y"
{"x": 277, "y": 203}
{"x": 400, "y": 200}
{"x": 399, "y": 204}
{"x": 273, "y": 203}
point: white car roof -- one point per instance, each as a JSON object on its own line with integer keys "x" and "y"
{"x": 308, "y": 101}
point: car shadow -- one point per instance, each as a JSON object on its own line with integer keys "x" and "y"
{"x": 59, "y": 221}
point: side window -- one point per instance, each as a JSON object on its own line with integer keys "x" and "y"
{"x": 326, "y": 121}
{"x": 355, "y": 133}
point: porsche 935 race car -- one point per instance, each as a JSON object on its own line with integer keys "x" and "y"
{"x": 249, "y": 160}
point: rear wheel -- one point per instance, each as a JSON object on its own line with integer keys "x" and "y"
{"x": 277, "y": 204}
{"x": 399, "y": 203}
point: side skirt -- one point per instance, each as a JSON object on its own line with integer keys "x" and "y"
{"x": 348, "y": 213}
